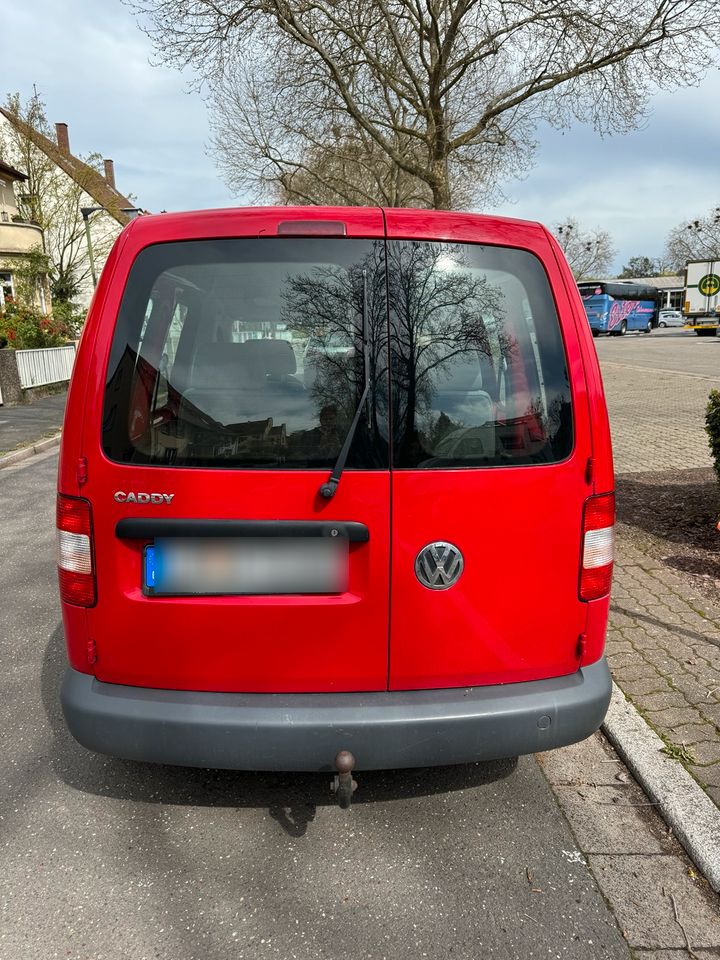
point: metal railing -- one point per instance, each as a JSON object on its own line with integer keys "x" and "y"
{"x": 47, "y": 365}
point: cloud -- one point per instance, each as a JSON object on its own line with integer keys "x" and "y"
{"x": 637, "y": 186}
{"x": 91, "y": 64}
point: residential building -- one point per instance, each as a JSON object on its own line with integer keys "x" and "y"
{"x": 80, "y": 187}
{"x": 18, "y": 238}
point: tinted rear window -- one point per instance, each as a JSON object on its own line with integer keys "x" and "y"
{"x": 248, "y": 353}
{"x": 478, "y": 367}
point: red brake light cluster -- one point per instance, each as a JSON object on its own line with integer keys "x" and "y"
{"x": 598, "y": 547}
{"x": 76, "y": 562}
{"x": 312, "y": 228}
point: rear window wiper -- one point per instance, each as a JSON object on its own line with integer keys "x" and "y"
{"x": 328, "y": 488}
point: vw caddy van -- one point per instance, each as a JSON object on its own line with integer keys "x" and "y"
{"x": 334, "y": 480}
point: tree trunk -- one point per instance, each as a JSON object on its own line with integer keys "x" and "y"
{"x": 440, "y": 185}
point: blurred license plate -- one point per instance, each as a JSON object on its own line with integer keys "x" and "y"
{"x": 220, "y": 566}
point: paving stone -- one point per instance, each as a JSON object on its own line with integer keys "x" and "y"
{"x": 624, "y": 659}
{"x": 634, "y": 671}
{"x": 707, "y": 752}
{"x": 698, "y": 667}
{"x": 637, "y": 444}
{"x": 590, "y": 761}
{"x": 638, "y": 889}
{"x": 605, "y": 821}
{"x": 676, "y": 954}
{"x": 691, "y": 733}
{"x": 621, "y": 621}
{"x": 693, "y": 688}
{"x": 618, "y": 644}
{"x": 711, "y": 711}
{"x": 709, "y": 775}
{"x": 672, "y": 717}
{"x": 655, "y": 684}
{"x": 661, "y": 701}
{"x": 668, "y": 618}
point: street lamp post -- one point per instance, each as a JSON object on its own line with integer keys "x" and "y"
{"x": 86, "y": 214}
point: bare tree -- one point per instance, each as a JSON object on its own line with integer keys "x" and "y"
{"x": 447, "y": 91}
{"x": 443, "y": 318}
{"x": 315, "y": 152}
{"x": 694, "y": 240}
{"x": 330, "y": 166}
{"x": 590, "y": 253}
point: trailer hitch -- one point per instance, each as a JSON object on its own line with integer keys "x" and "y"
{"x": 343, "y": 785}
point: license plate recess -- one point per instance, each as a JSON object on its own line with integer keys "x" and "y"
{"x": 245, "y": 566}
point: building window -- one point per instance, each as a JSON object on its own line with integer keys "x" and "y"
{"x": 7, "y": 290}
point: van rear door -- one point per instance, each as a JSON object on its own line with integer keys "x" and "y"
{"x": 230, "y": 372}
{"x": 491, "y": 443}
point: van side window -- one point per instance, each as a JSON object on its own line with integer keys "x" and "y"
{"x": 248, "y": 353}
{"x": 478, "y": 369}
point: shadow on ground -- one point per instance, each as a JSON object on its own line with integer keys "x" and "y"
{"x": 691, "y": 635}
{"x": 291, "y": 798}
{"x": 680, "y": 508}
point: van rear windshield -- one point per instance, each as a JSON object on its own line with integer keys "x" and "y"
{"x": 478, "y": 370}
{"x": 248, "y": 353}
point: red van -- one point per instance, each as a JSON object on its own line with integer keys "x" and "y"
{"x": 334, "y": 479}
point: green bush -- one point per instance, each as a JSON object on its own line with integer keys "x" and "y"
{"x": 67, "y": 314}
{"x": 27, "y": 329}
{"x": 712, "y": 426}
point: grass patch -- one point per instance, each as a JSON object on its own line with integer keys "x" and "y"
{"x": 681, "y": 753}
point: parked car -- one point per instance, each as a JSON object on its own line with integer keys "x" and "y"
{"x": 404, "y": 562}
{"x": 670, "y": 318}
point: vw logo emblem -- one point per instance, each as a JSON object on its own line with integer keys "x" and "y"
{"x": 439, "y": 565}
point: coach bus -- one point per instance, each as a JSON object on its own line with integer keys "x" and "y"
{"x": 616, "y": 307}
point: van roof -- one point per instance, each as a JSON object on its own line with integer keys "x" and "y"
{"x": 221, "y": 221}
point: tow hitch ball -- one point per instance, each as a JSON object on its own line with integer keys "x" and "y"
{"x": 343, "y": 785}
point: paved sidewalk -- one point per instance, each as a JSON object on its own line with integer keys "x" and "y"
{"x": 664, "y": 637}
{"x": 657, "y": 416}
{"x": 26, "y": 424}
{"x": 664, "y": 652}
{"x": 664, "y": 908}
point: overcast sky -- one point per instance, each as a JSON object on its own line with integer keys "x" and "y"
{"x": 91, "y": 65}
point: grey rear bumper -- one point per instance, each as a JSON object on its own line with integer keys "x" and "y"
{"x": 305, "y": 731}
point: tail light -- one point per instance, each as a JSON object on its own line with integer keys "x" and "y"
{"x": 76, "y": 561}
{"x": 598, "y": 548}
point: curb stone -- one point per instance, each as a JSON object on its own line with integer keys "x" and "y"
{"x": 683, "y": 804}
{"x": 16, "y": 456}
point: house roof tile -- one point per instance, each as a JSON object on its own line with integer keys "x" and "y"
{"x": 92, "y": 182}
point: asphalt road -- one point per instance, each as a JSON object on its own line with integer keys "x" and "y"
{"x": 657, "y": 388}
{"x": 29, "y": 422}
{"x": 104, "y": 859}
{"x": 671, "y": 349}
